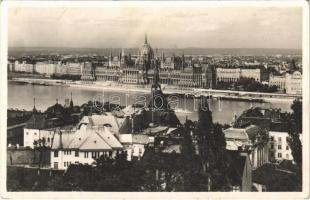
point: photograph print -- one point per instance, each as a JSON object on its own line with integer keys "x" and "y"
{"x": 165, "y": 98}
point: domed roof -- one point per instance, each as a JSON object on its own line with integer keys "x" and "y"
{"x": 145, "y": 49}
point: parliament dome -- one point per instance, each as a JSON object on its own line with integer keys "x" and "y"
{"x": 146, "y": 49}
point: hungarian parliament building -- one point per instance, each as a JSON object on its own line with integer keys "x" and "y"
{"x": 173, "y": 70}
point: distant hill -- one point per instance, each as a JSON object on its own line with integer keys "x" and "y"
{"x": 18, "y": 51}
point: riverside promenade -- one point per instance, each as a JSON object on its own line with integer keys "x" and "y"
{"x": 167, "y": 89}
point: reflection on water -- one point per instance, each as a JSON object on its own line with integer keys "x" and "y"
{"x": 21, "y": 97}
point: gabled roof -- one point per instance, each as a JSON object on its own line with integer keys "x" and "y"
{"x": 102, "y": 120}
{"x": 87, "y": 139}
{"x": 94, "y": 142}
{"x": 109, "y": 138}
{"x": 244, "y": 134}
{"x": 236, "y": 134}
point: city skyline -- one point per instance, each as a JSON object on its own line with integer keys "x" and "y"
{"x": 124, "y": 27}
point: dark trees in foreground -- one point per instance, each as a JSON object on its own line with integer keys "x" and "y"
{"x": 294, "y": 131}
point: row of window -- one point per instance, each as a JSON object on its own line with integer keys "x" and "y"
{"x": 94, "y": 154}
{"x": 279, "y": 147}
{"x": 279, "y": 155}
{"x": 76, "y": 153}
{"x": 66, "y": 164}
{"x": 279, "y": 139}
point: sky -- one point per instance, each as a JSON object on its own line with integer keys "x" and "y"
{"x": 166, "y": 27}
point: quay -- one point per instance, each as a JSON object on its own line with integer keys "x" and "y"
{"x": 169, "y": 90}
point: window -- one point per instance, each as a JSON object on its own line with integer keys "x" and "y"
{"x": 85, "y": 154}
{"x": 271, "y": 138}
{"x": 27, "y": 133}
{"x": 279, "y": 155}
{"x": 110, "y": 153}
{"x": 271, "y": 146}
{"x": 55, "y": 165}
{"x": 279, "y": 147}
{"x": 76, "y": 153}
{"x": 287, "y": 147}
{"x": 93, "y": 154}
{"x": 55, "y": 154}
{"x": 35, "y": 133}
{"x": 287, "y": 139}
{"x": 279, "y": 139}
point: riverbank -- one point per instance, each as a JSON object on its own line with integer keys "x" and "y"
{"x": 187, "y": 92}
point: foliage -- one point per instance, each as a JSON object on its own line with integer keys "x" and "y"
{"x": 246, "y": 84}
{"x": 66, "y": 77}
{"x": 294, "y": 131}
{"x": 297, "y": 114}
{"x": 212, "y": 148}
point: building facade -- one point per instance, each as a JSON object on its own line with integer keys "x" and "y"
{"x": 277, "y": 80}
{"x": 293, "y": 83}
{"x": 45, "y": 68}
{"x": 24, "y": 67}
{"x": 251, "y": 139}
{"x": 279, "y": 148}
{"x": 230, "y": 75}
{"x": 83, "y": 146}
{"x": 254, "y": 73}
{"x": 290, "y": 82}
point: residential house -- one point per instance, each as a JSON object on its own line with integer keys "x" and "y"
{"x": 135, "y": 144}
{"x": 83, "y": 146}
{"x": 251, "y": 138}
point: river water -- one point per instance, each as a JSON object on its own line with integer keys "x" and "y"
{"x": 21, "y": 97}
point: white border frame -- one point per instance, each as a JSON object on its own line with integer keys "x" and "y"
{"x": 154, "y": 195}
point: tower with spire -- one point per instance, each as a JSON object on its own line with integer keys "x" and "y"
{"x": 145, "y": 39}
{"x": 183, "y": 61}
{"x": 110, "y": 59}
{"x": 34, "y": 110}
{"x": 122, "y": 58}
{"x": 71, "y": 101}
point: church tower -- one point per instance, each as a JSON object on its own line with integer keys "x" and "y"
{"x": 110, "y": 59}
{"x": 123, "y": 59}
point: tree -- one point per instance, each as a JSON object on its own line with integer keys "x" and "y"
{"x": 297, "y": 114}
{"x": 212, "y": 148}
{"x": 219, "y": 165}
{"x": 205, "y": 139}
{"x": 294, "y": 131}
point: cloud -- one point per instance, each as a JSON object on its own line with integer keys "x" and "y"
{"x": 213, "y": 27}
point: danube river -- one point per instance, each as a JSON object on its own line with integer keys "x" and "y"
{"x": 21, "y": 97}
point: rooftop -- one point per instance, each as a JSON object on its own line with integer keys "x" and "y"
{"x": 87, "y": 139}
